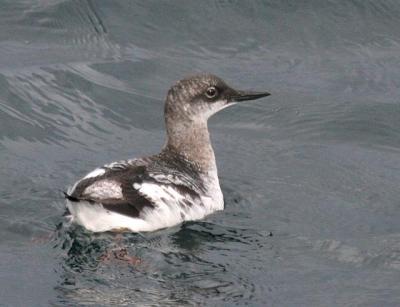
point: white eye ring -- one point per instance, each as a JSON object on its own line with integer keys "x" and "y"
{"x": 211, "y": 92}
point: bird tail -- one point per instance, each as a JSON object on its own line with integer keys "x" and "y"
{"x": 70, "y": 197}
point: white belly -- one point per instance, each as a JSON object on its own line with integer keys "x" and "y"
{"x": 96, "y": 218}
{"x": 171, "y": 207}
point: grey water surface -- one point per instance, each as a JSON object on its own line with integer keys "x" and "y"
{"x": 317, "y": 164}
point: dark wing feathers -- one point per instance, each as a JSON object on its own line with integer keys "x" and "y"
{"x": 133, "y": 202}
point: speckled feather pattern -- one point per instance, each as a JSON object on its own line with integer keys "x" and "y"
{"x": 179, "y": 184}
{"x": 144, "y": 195}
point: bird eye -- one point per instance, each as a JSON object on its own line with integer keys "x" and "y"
{"x": 211, "y": 92}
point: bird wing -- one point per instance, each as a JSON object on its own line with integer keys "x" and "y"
{"x": 132, "y": 187}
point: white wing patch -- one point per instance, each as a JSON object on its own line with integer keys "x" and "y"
{"x": 172, "y": 207}
{"x": 172, "y": 204}
{"x": 104, "y": 189}
{"x": 97, "y": 172}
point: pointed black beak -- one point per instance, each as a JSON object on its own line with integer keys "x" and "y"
{"x": 247, "y": 95}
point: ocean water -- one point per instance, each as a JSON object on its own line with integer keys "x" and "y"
{"x": 310, "y": 174}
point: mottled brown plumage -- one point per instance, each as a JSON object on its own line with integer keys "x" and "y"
{"x": 178, "y": 184}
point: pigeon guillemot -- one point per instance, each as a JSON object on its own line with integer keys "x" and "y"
{"x": 178, "y": 184}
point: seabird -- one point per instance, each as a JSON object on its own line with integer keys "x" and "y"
{"x": 178, "y": 184}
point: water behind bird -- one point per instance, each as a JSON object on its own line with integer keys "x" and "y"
{"x": 315, "y": 164}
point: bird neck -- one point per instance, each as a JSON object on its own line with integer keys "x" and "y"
{"x": 191, "y": 139}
